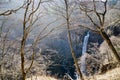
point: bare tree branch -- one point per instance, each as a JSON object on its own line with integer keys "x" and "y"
{"x": 9, "y": 12}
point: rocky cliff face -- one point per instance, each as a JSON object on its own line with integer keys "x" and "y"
{"x": 106, "y": 52}
{"x": 113, "y": 30}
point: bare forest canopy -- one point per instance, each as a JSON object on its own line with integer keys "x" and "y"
{"x": 45, "y": 37}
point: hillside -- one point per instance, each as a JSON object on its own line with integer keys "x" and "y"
{"x": 59, "y": 40}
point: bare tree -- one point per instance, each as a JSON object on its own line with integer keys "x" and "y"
{"x": 5, "y": 48}
{"x": 99, "y": 26}
{"x": 64, "y": 9}
{"x": 28, "y": 19}
{"x": 31, "y": 16}
{"x": 70, "y": 40}
{"x": 28, "y": 22}
{"x": 3, "y": 51}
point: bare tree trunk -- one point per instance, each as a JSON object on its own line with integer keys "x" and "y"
{"x": 74, "y": 57}
{"x": 23, "y": 41}
{"x": 100, "y": 29}
{"x": 22, "y": 61}
{"x": 70, "y": 41}
{"x": 106, "y": 38}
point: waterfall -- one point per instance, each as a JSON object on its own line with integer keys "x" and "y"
{"x": 84, "y": 48}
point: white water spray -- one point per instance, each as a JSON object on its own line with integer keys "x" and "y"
{"x": 84, "y": 48}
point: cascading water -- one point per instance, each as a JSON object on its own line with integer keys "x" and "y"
{"x": 84, "y": 48}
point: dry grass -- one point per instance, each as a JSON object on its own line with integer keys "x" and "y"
{"x": 113, "y": 74}
{"x": 109, "y": 75}
{"x": 41, "y": 78}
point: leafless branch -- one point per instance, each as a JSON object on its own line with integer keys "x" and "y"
{"x": 98, "y": 15}
{"x": 89, "y": 28}
{"x": 9, "y": 12}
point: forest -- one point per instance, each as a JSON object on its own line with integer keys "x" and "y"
{"x": 59, "y": 39}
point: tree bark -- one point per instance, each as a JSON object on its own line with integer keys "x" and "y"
{"x": 70, "y": 41}
{"x": 106, "y": 38}
{"x": 22, "y": 58}
{"x": 73, "y": 54}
